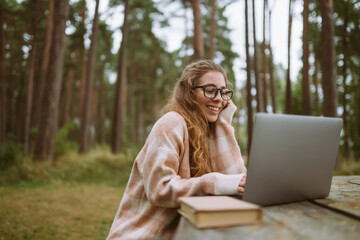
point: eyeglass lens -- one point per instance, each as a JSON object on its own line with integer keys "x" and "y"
{"x": 211, "y": 91}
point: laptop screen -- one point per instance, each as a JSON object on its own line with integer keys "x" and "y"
{"x": 292, "y": 158}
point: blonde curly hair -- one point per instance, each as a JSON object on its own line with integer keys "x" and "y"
{"x": 183, "y": 102}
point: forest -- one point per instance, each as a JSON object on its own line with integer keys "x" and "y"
{"x": 63, "y": 86}
{"x": 83, "y": 81}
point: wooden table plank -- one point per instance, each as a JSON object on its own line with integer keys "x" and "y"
{"x": 344, "y": 195}
{"x": 302, "y": 220}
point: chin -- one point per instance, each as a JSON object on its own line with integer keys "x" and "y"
{"x": 212, "y": 119}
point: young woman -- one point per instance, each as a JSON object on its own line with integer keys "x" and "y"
{"x": 191, "y": 151}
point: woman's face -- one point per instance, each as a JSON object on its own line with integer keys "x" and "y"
{"x": 211, "y": 107}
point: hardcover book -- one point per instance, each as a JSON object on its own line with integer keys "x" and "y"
{"x": 219, "y": 211}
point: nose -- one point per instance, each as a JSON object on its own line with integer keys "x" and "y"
{"x": 217, "y": 96}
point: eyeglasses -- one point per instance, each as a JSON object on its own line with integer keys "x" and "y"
{"x": 212, "y": 91}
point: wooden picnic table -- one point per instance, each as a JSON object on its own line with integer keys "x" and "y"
{"x": 334, "y": 217}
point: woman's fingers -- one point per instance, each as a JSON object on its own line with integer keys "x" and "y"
{"x": 240, "y": 189}
{"x": 243, "y": 181}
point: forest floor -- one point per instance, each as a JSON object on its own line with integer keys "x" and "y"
{"x": 76, "y": 197}
{"x": 58, "y": 211}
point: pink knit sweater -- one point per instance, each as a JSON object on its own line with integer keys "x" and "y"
{"x": 161, "y": 174}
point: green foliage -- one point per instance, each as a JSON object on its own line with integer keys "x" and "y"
{"x": 296, "y": 97}
{"x": 10, "y": 154}
{"x": 347, "y": 36}
{"x": 280, "y": 86}
{"x": 151, "y": 69}
{"x": 99, "y": 166}
{"x": 348, "y": 166}
{"x": 224, "y": 44}
{"x": 62, "y": 143}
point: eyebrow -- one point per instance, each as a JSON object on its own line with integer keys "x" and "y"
{"x": 211, "y": 84}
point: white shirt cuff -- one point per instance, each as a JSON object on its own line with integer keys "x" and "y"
{"x": 227, "y": 184}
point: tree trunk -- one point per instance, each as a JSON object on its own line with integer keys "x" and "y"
{"x": 85, "y": 117}
{"x": 186, "y": 58}
{"x": 119, "y": 119}
{"x": 238, "y": 102}
{"x": 31, "y": 80}
{"x": 316, "y": 84}
{"x": 132, "y": 102}
{"x": 3, "y": 106}
{"x": 69, "y": 92}
{"x": 248, "y": 81}
{"x": 259, "y": 94}
{"x": 141, "y": 120}
{"x": 102, "y": 109}
{"x": 44, "y": 149}
{"x": 213, "y": 30}
{"x": 93, "y": 117}
{"x": 29, "y": 100}
{"x": 82, "y": 66}
{"x": 154, "y": 91}
{"x": 271, "y": 71}
{"x": 356, "y": 144}
{"x": 306, "y": 98}
{"x": 345, "y": 87}
{"x": 328, "y": 63}
{"x": 20, "y": 94}
{"x": 198, "y": 31}
{"x": 264, "y": 66}
{"x": 40, "y": 84}
{"x": 288, "y": 97}
{"x": 10, "y": 102}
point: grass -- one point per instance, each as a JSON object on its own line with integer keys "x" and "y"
{"x": 58, "y": 211}
{"x": 98, "y": 166}
{"x": 76, "y": 197}
{"x": 349, "y": 166}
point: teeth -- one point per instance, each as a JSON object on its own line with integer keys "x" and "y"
{"x": 213, "y": 108}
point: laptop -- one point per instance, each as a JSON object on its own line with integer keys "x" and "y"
{"x": 292, "y": 158}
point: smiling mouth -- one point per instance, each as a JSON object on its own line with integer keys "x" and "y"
{"x": 213, "y": 108}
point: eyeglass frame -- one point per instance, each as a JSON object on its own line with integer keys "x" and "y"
{"x": 217, "y": 91}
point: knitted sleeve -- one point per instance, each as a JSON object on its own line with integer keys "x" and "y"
{"x": 161, "y": 165}
{"x": 224, "y": 149}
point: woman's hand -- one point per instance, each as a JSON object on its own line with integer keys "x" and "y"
{"x": 228, "y": 103}
{"x": 227, "y": 112}
{"x": 241, "y": 187}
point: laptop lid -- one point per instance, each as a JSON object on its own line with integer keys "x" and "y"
{"x": 292, "y": 158}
